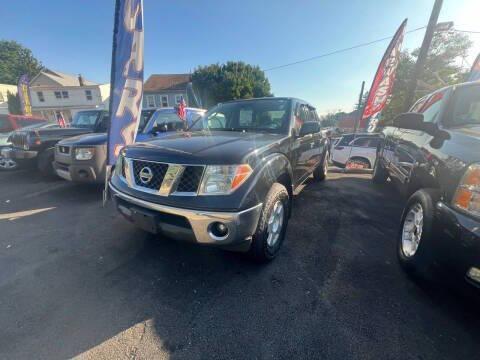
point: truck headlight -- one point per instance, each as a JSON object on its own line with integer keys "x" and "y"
{"x": 467, "y": 196}
{"x": 224, "y": 179}
{"x": 120, "y": 166}
{"x": 84, "y": 153}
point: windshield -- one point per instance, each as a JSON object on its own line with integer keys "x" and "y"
{"x": 168, "y": 120}
{"x": 270, "y": 115}
{"x": 85, "y": 119}
{"x": 466, "y": 107}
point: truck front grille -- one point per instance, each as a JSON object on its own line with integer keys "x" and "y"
{"x": 142, "y": 168}
{"x": 150, "y": 175}
{"x": 62, "y": 149}
{"x": 18, "y": 139}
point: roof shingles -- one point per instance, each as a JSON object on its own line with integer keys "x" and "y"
{"x": 166, "y": 82}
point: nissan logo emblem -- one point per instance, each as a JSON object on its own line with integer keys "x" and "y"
{"x": 145, "y": 175}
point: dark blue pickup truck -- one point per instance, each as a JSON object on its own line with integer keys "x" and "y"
{"x": 229, "y": 184}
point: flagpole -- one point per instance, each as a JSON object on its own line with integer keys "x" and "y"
{"x": 110, "y": 101}
{"x": 357, "y": 119}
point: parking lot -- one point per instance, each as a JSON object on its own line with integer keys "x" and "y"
{"x": 77, "y": 280}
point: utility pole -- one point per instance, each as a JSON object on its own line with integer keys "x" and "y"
{"x": 422, "y": 56}
{"x": 359, "y": 109}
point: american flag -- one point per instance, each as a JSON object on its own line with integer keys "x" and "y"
{"x": 181, "y": 110}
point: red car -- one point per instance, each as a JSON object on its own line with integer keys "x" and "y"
{"x": 9, "y": 123}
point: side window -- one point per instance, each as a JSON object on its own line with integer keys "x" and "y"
{"x": 432, "y": 107}
{"x": 313, "y": 115}
{"x": 419, "y": 104}
{"x": 245, "y": 118}
{"x": 103, "y": 124}
{"x": 345, "y": 141}
{"x": 361, "y": 142}
{"x": 150, "y": 101}
{"x": 216, "y": 121}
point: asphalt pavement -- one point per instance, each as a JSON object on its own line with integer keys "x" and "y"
{"x": 76, "y": 280}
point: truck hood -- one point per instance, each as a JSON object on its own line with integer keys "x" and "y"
{"x": 92, "y": 139}
{"x": 464, "y": 143}
{"x": 57, "y": 134}
{"x": 202, "y": 147}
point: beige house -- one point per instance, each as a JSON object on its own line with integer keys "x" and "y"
{"x": 4, "y": 90}
{"x": 55, "y": 94}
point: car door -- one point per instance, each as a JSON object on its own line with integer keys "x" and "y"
{"x": 318, "y": 141}
{"x": 360, "y": 148}
{"x": 410, "y": 152}
{"x": 341, "y": 150}
{"x": 302, "y": 145}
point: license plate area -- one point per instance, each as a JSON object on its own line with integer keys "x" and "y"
{"x": 144, "y": 220}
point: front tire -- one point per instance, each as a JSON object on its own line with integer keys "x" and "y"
{"x": 415, "y": 236}
{"x": 272, "y": 226}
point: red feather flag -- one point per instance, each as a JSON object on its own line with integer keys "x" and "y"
{"x": 382, "y": 85}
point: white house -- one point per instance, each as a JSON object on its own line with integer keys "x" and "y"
{"x": 56, "y": 94}
{"x": 4, "y": 90}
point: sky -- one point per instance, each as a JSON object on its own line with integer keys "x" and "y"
{"x": 75, "y": 36}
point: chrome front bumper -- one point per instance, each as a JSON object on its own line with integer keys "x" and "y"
{"x": 241, "y": 225}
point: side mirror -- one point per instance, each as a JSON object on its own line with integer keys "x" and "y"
{"x": 309, "y": 127}
{"x": 411, "y": 121}
{"x": 415, "y": 121}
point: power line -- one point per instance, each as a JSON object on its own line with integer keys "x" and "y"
{"x": 338, "y": 51}
{"x": 354, "y": 47}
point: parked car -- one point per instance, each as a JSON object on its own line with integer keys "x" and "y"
{"x": 37, "y": 146}
{"x": 9, "y": 123}
{"x": 433, "y": 155}
{"x": 83, "y": 158}
{"x": 229, "y": 184}
{"x": 357, "y": 148}
{"x": 10, "y": 164}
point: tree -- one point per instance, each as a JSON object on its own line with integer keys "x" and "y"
{"x": 234, "y": 80}
{"x": 16, "y": 60}
{"x": 14, "y": 106}
{"x": 443, "y": 67}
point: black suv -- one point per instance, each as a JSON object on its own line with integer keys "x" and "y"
{"x": 229, "y": 180}
{"x": 433, "y": 154}
{"x": 38, "y": 145}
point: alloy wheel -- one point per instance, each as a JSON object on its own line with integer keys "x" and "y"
{"x": 412, "y": 230}
{"x": 275, "y": 224}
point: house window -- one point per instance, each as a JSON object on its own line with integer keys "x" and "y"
{"x": 40, "y": 96}
{"x": 178, "y": 99}
{"x": 150, "y": 101}
{"x": 164, "y": 101}
{"x": 65, "y": 94}
{"x": 88, "y": 94}
{"x": 58, "y": 94}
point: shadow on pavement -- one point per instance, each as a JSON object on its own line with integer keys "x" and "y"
{"x": 335, "y": 291}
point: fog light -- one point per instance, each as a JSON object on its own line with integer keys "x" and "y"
{"x": 474, "y": 274}
{"x": 218, "y": 231}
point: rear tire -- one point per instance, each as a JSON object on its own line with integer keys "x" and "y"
{"x": 320, "y": 173}
{"x": 380, "y": 175}
{"x": 415, "y": 236}
{"x": 272, "y": 225}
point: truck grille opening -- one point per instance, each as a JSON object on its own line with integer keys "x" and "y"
{"x": 19, "y": 140}
{"x": 64, "y": 149}
{"x": 190, "y": 179}
{"x": 150, "y": 175}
